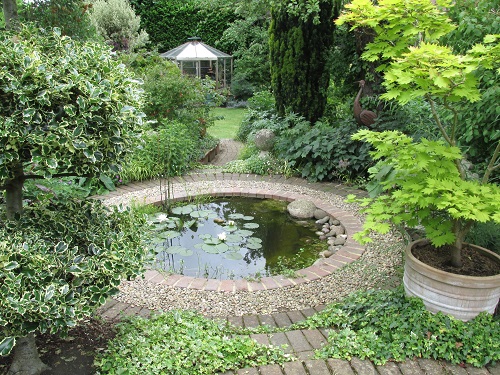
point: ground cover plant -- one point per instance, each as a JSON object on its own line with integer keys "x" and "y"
{"x": 385, "y": 325}
{"x": 181, "y": 343}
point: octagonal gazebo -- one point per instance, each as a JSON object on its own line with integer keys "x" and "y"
{"x": 199, "y": 59}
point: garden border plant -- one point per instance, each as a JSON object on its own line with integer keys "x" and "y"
{"x": 433, "y": 72}
{"x": 427, "y": 182}
{"x": 68, "y": 108}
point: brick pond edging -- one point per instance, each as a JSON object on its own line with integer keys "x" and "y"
{"x": 350, "y": 252}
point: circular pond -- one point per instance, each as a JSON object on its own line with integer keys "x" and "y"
{"x": 231, "y": 238}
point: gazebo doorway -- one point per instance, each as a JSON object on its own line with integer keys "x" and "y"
{"x": 201, "y": 60}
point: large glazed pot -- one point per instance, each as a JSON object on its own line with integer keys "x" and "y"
{"x": 463, "y": 297}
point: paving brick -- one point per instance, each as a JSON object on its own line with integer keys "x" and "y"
{"x": 494, "y": 370}
{"x": 308, "y": 312}
{"x": 317, "y": 367}
{"x": 294, "y": 368}
{"x": 236, "y": 321}
{"x": 304, "y": 356}
{"x": 114, "y": 311}
{"x": 261, "y": 338}
{"x": 282, "y": 320}
{"x": 340, "y": 366}
{"x": 270, "y": 370}
{"x": 247, "y": 371}
{"x": 279, "y": 339}
{"x": 315, "y": 338}
{"x": 453, "y": 369}
{"x": 477, "y": 370}
{"x": 431, "y": 367}
{"x": 390, "y": 368}
{"x": 250, "y": 321}
{"x": 298, "y": 341}
{"x": 410, "y": 367}
{"x": 267, "y": 320}
{"x": 212, "y": 285}
{"x": 295, "y": 316}
{"x": 363, "y": 367}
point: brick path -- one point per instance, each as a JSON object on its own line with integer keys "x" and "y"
{"x": 301, "y": 343}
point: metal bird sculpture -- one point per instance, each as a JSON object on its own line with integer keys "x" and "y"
{"x": 362, "y": 116}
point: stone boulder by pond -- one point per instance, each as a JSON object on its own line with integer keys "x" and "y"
{"x": 302, "y": 209}
{"x": 264, "y": 139}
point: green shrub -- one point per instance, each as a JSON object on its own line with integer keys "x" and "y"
{"x": 61, "y": 260}
{"x": 116, "y": 22}
{"x": 181, "y": 343}
{"x": 385, "y": 325}
{"x": 486, "y": 235}
{"x": 174, "y": 96}
{"x": 170, "y": 22}
{"x": 261, "y": 165}
{"x": 324, "y": 152}
{"x": 166, "y": 151}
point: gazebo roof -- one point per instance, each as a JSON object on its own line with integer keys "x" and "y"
{"x": 194, "y": 50}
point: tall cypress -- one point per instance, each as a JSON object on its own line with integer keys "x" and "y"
{"x": 299, "y": 51}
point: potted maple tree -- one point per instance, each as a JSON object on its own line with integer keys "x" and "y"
{"x": 427, "y": 183}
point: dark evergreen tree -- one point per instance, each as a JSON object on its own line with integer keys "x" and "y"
{"x": 299, "y": 49}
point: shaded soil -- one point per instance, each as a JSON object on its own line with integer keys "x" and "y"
{"x": 474, "y": 263}
{"x": 75, "y": 354}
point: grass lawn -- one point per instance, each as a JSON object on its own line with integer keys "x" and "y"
{"x": 230, "y": 121}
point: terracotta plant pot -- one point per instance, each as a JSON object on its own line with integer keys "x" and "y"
{"x": 461, "y": 296}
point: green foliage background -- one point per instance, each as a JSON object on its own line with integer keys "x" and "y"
{"x": 298, "y": 53}
{"x": 170, "y": 22}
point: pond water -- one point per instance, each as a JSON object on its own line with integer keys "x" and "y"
{"x": 233, "y": 238}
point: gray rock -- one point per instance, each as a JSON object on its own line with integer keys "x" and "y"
{"x": 334, "y": 222}
{"x": 323, "y": 220}
{"x": 301, "y": 209}
{"x": 326, "y": 254}
{"x": 339, "y": 229}
{"x": 339, "y": 241}
{"x": 320, "y": 214}
{"x": 264, "y": 139}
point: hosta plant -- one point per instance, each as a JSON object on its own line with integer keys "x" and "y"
{"x": 427, "y": 182}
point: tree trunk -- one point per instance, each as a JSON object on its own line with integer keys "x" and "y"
{"x": 26, "y": 360}
{"x": 456, "y": 251}
{"x": 10, "y": 13}
{"x": 14, "y": 195}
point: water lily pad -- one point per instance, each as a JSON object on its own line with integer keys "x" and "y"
{"x": 157, "y": 240}
{"x": 253, "y": 245}
{"x": 173, "y": 249}
{"x": 251, "y": 225}
{"x": 235, "y": 216}
{"x": 254, "y": 239}
{"x": 185, "y": 252}
{"x": 189, "y": 223}
{"x": 199, "y": 245}
{"x": 233, "y": 238}
{"x": 243, "y": 233}
{"x": 233, "y": 256}
{"x": 184, "y": 210}
{"x": 159, "y": 227}
{"x": 169, "y": 234}
{"x": 230, "y": 228}
{"x": 200, "y": 214}
{"x": 211, "y": 240}
{"x": 247, "y": 218}
{"x": 215, "y": 249}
